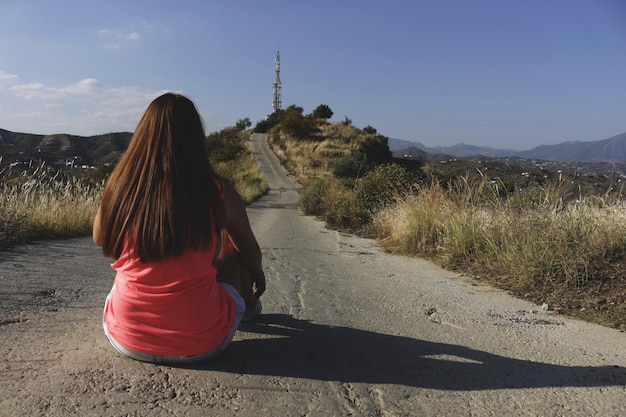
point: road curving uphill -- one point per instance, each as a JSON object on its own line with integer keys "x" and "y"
{"x": 347, "y": 330}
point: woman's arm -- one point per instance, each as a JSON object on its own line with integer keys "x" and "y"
{"x": 242, "y": 237}
{"x": 97, "y": 229}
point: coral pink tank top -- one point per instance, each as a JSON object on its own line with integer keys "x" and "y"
{"x": 172, "y": 307}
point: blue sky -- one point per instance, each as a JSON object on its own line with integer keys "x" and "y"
{"x": 500, "y": 73}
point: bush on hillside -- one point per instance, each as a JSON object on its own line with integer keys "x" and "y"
{"x": 376, "y": 149}
{"x": 313, "y": 198}
{"x": 351, "y": 166}
{"x": 352, "y": 209}
{"x": 381, "y": 187}
{"x": 226, "y": 145}
{"x": 370, "y": 129}
{"x": 265, "y": 125}
{"x": 294, "y": 123}
{"x": 243, "y": 124}
{"x": 334, "y": 202}
{"x": 345, "y": 212}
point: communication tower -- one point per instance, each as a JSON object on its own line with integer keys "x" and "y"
{"x": 276, "y": 102}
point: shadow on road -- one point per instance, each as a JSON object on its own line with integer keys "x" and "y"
{"x": 301, "y": 349}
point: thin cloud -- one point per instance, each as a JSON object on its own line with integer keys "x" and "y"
{"x": 85, "y": 107}
{"x": 86, "y": 89}
{"x": 29, "y": 91}
{"x": 115, "y": 38}
{"x": 120, "y": 35}
{"x": 135, "y": 31}
{"x": 7, "y": 79}
{"x": 32, "y": 114}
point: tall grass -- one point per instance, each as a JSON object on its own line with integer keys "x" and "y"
{"x": 528, "y": 239}
{"x": 40, "y": 206}
{"x": 352, "y": 206}
{"x": 540, "y": 238}
{"x": 245, "y": 175}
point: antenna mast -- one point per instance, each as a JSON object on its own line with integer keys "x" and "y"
{"x": 276, "y": 102}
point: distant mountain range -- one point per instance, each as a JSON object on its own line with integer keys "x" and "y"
{"x": 100, "y": 150}
{"x": 607, "y": 150}
{"x": 58, "y": 150}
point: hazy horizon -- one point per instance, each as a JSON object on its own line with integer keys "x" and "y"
{"x": 509, "y": 75}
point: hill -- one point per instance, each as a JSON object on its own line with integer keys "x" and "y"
{"x": 533, "y": 230}
{"x": 101, "y": 150}
{"x": 61, "y": 149}
{"x": 608, "y": 150}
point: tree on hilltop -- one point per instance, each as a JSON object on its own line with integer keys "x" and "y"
{"x": 243, "y": 124}
{"x": 370, "y": 129}
{"x": 294, "y": 123}
{"x": 269, "y": 122}
{"x": 322, "y": 112}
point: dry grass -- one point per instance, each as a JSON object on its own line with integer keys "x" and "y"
{"x": 549, "y": 243}
{"x": 245, "y": 175}
{"x": 43, "y": 206}
{"x": 546, "y": 250}
{"x": 312, "y": 160}
{"x": 538, "y": 245}
{"x": 40, "y": 206}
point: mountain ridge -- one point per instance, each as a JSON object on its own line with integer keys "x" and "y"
{"x": 105, "y": 149}
{"x": 62, "y": 149}
{"x": 612, "y": 149}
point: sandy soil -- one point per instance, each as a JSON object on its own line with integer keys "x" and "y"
{"x": 347, "y": 330}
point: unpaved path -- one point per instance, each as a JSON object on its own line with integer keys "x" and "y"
{"x": 347, "y": 331}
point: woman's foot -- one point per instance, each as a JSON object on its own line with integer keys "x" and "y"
{"x": 253, "y": 311}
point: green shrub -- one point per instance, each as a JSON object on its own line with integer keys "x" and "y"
{"x": 335, "y": 203}
{"x": 351, "y": 166}
{"x": 312, "y": 200}
{"x": 226, "y": 145}
{"x": 267, "y": 124}
{"x": 346, "y": 208}
{"x": 322, "y": 112}
{"x": 381, "y": 187}
{"x": 376, "y": 149}
{"x": 344, "y": 213}
{"x": 295, "y": 124}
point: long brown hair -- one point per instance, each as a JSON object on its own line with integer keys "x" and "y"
{"x": 162, "y": 197}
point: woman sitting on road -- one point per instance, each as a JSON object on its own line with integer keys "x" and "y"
{"x": 188, "y": 267}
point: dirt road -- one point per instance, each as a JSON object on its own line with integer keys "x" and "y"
{"x": 347, "y": 331}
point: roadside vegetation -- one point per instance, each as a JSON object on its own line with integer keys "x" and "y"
{"x": 231, "y": 158}
{"x": 46, "y": 203}
{"x": 555, "y": 240}
{"x": 544, "y": 236}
